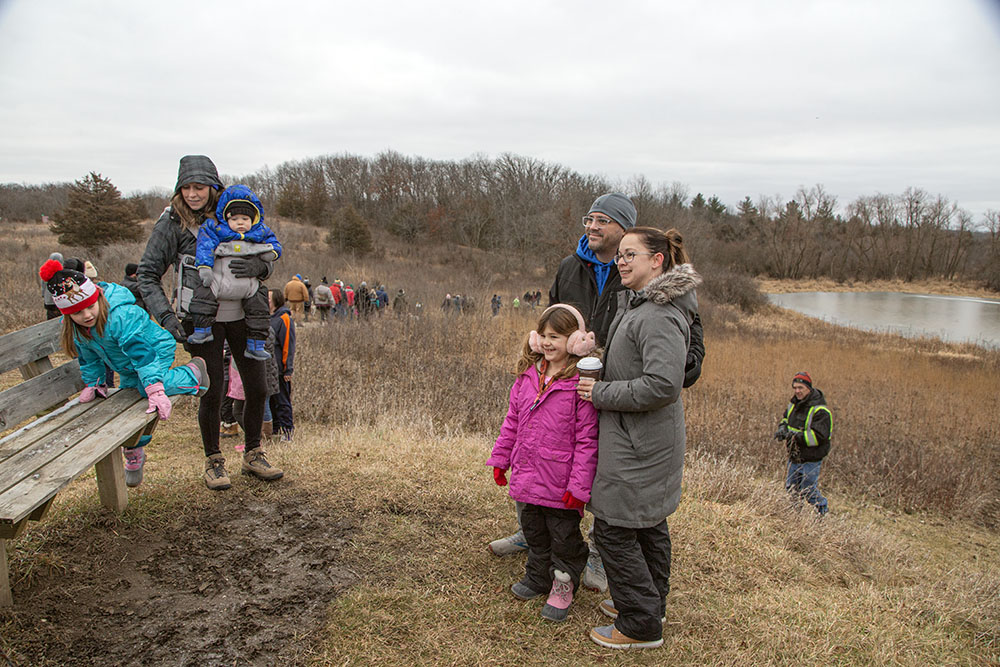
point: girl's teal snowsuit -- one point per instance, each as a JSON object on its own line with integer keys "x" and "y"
{"x": 136, "y": 347}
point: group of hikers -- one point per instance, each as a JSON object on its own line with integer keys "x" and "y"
{"x": 606, "y": 434}
{"x": 529, "y": 300}
{"x": 337, "y": 299}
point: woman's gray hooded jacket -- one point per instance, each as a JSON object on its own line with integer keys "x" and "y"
{"x": 641, "y": 442}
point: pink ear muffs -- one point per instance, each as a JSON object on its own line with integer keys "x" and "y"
{"x": 581, "y": 342}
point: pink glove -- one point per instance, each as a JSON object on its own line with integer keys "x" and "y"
{"x": 500, "y": 476}
{"x": 158, "y": 401}
{"x": 571, "y": 502}
{"x": 89, "y": 393}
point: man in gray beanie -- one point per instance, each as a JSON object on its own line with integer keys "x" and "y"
{"x": 588, "y": 280}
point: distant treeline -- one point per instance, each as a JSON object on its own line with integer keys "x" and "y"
{"x": 528, "y": 206}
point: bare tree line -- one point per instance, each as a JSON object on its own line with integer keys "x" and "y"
{"x": 521, "y": 204}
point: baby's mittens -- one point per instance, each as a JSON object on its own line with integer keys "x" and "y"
{"x": 205, "y": 273}
{"x": 500, "y": 476}
{"x": 158, "y": 401}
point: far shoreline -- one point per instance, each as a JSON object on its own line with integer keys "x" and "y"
{"x": 938, "y": 287}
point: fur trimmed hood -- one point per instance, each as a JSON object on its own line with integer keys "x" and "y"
{"x": 669, "y": 286}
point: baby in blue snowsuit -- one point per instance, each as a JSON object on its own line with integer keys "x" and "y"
{"x": 237, "y": 232}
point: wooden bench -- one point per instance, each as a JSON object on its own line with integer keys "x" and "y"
{"x": 48, "y": 452}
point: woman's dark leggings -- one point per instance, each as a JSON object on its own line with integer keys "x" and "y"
{"x": 254, "y": 385}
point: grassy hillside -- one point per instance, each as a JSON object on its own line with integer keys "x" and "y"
{"x": 373, "y": 548}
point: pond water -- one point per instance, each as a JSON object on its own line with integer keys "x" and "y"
{"x": 951, "y": 318}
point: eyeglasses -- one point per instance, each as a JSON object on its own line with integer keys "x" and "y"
{"x": 600, "y": 223}
{"x": 629, "y": 256}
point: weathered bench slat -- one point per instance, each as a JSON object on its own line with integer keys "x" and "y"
{"x": 39, "y": 393}
{"x": 31, "y": 459}
{"x": 33, "y": 431}
{"x": 20, "y": 500}
{"x": 19, "y": 348}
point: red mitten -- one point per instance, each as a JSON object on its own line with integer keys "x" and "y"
{"x": 571, "y": 502}
{"x": 500, "y": 476}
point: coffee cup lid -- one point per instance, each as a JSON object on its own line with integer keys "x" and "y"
{"x": 589, "y": 364}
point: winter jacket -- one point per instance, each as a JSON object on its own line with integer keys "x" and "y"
{"x": 136, "y": 347}
{"x": 338, "y": 294}
{"x": 295, "y": 291}
{"x": 214, "y": 232}
{"x": 811, "y": 422}
{"x": 284, "y": 340}
{"x": 576, "y": 285}
{"x": 168, "y": 245}
{"x": 322, "y": 297}
{"x": 550, "y": 449}
{"x": 642, "y": 439}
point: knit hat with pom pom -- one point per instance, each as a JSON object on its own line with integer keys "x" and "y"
{"x": 71, "y": 290}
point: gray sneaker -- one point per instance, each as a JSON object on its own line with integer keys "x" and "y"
{"x": 594, "y": 576}
{"x": 511, "y": 544}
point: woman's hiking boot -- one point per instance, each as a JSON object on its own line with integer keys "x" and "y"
{"x": 608, "y": 636}
{"x": 560, "y": 597}
{"x": 523, "y": 592}
{"x": 215, "y": 473}
{"x": 255, "y": 463}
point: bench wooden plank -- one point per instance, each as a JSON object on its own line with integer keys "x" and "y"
{"x": 22, "y": 347}
{"x": 36, "y": 368}
{"x": 30, "y": 460}
{"x": 20, "y": 500}
{"x": 39, "y": 393}
{"x": 36, "y": 430}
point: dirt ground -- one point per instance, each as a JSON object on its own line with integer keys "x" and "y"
{"x": 248, "y": 583}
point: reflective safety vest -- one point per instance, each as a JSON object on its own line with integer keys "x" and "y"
{"x": 808, "y": 435}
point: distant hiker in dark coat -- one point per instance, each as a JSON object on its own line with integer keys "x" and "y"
{"x": 51, "y": 311}
{"x": 284, "y": 351}
{"x": 806, "y": 428}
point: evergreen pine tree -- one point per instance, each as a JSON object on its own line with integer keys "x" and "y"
{"x": 350, "y": 232}
{"x": 95, "y": 215}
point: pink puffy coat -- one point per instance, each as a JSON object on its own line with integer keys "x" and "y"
{"x": 550, "y": 449}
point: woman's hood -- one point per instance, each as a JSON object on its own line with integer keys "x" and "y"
{"x": 671, "y": 285}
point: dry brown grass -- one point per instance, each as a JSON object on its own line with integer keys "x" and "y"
{"x": 945, "y": 287}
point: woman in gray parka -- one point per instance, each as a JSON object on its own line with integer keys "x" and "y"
{"x": 641, "y": 441}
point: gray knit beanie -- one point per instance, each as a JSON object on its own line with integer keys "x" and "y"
{"x": 197, "y": 169}
{"x": 616, "y": 206}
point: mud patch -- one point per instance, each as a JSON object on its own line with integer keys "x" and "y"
{"x": 248, "y": 581}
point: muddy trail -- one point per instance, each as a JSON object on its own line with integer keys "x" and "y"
{"x": 248, "y": 582}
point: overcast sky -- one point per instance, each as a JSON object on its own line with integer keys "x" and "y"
{"x": 731, "y": 97}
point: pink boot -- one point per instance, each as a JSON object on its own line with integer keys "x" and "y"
{"x": 560, "y": 597}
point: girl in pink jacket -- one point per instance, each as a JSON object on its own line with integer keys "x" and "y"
{"x": 549, "y": 443}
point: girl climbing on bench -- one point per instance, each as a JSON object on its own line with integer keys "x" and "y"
{"x": 103, "y": 326}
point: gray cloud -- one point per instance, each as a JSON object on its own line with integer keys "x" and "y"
{"x": 731, "y": 98}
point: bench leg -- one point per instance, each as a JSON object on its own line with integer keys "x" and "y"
{"x": 111, "y": 481}
{"x": 6, "y": 599}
